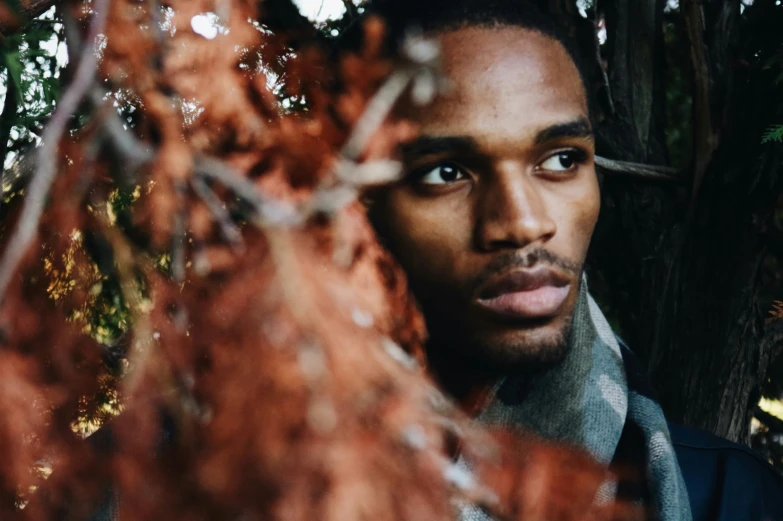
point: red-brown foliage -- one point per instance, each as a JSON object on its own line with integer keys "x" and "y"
{"x": 278, "y": 354}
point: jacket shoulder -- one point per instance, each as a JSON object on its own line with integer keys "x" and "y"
{"x": 726, "y": 481}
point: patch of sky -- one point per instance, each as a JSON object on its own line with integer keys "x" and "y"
{"x": 321, "y": 10}
{"x": 207, "y": 25}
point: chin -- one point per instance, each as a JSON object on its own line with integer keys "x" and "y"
{"x": 516, "y": 349}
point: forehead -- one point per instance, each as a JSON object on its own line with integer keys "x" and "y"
{"x": 505, "y": 82}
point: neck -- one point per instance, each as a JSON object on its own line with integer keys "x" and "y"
{"x": 470, "y": 387}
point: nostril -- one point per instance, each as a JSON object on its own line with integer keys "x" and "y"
{"x": 514, "y": 232}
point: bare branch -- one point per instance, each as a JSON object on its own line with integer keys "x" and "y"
{"x": 11, "y": 21}
{"x": 267, "y": 211}
{"x": 228, "y": 229}
{"x": 283, "y": 17}
{"x": 422, "y": 55}
{"x": 41, "y": 183}
{"x": 649, "y": 172}
{"x": 370, "y": 173}
{"x": 376, "y": 112}
{"x": 770, "y": 420}
{"x": 127, "y": 145}
{"x": 351, "y": 10}
{"x": 179, "y": 234}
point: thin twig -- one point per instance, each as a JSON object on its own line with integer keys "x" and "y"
{"x": 179, "y": 234}
{"x": 341, "y": 190}
{"x": 156, "y": 21}
{"x": 91, "y": 152}
{"x": 47, "y": 155}
{"x": 376, "y": 112}
{"x": 127, "y": 262}
{"x": 422, "y": 55}
{"x": 127, "y": 145}
{"x": 268, "y": 211}
{"x": 650, "y": 172}
{"x": 599, "y": 59}
{"x": 72, "y": 34}
{"x": 351, "y": 10}
{"x": 228, "y": 229}
{"x": 774, "y": 423}
{"x": 421, "y": 72}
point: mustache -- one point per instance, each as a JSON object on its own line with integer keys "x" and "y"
{"x": 509, "y": 260}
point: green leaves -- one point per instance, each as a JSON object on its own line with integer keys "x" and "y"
{"x": 30, "y": 72}
{"x": 773, "y": 134}
{"x": 14, "y": 69}
{"x": 776, "y": 62}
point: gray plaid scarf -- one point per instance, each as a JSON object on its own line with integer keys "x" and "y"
{"x": 587, "y": 401}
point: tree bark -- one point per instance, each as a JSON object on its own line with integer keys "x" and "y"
{"x": 10, "y": 106}
{"x": 685, "y": 279}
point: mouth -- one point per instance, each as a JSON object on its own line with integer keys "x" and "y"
{"x": 525, "y": 294}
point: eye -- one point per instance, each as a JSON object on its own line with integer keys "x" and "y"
{"x": 563, "y": 161}
{"x": 442, "y": 174}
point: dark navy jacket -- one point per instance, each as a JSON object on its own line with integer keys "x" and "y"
{"x": 726, "y": 481}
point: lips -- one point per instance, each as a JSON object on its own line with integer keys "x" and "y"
{"x": 525, "y": 293}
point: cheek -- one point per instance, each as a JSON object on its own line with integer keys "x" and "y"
{"x": 586, "y": 216}
{"x": 579, "y": 207}
{"x": 426, "y": 236}
{"x": 592, "y": 207}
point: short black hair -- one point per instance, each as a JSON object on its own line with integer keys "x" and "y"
{"x": 430, "y": 16}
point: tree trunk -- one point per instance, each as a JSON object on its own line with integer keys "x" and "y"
{"x": 7, "y": 117}
{"x": 684, "y": 280}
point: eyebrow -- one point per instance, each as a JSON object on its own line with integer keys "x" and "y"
{"x": 426, "y": 145}
{"x": 579, "y": 128}
{"x": 431, "y": 145}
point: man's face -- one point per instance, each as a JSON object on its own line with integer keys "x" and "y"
{"x": 493, "y": 221}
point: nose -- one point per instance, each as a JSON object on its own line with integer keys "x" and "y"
{"x": 512, "y": 212}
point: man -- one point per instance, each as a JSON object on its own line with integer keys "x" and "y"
{"x": 492, "y": 224}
